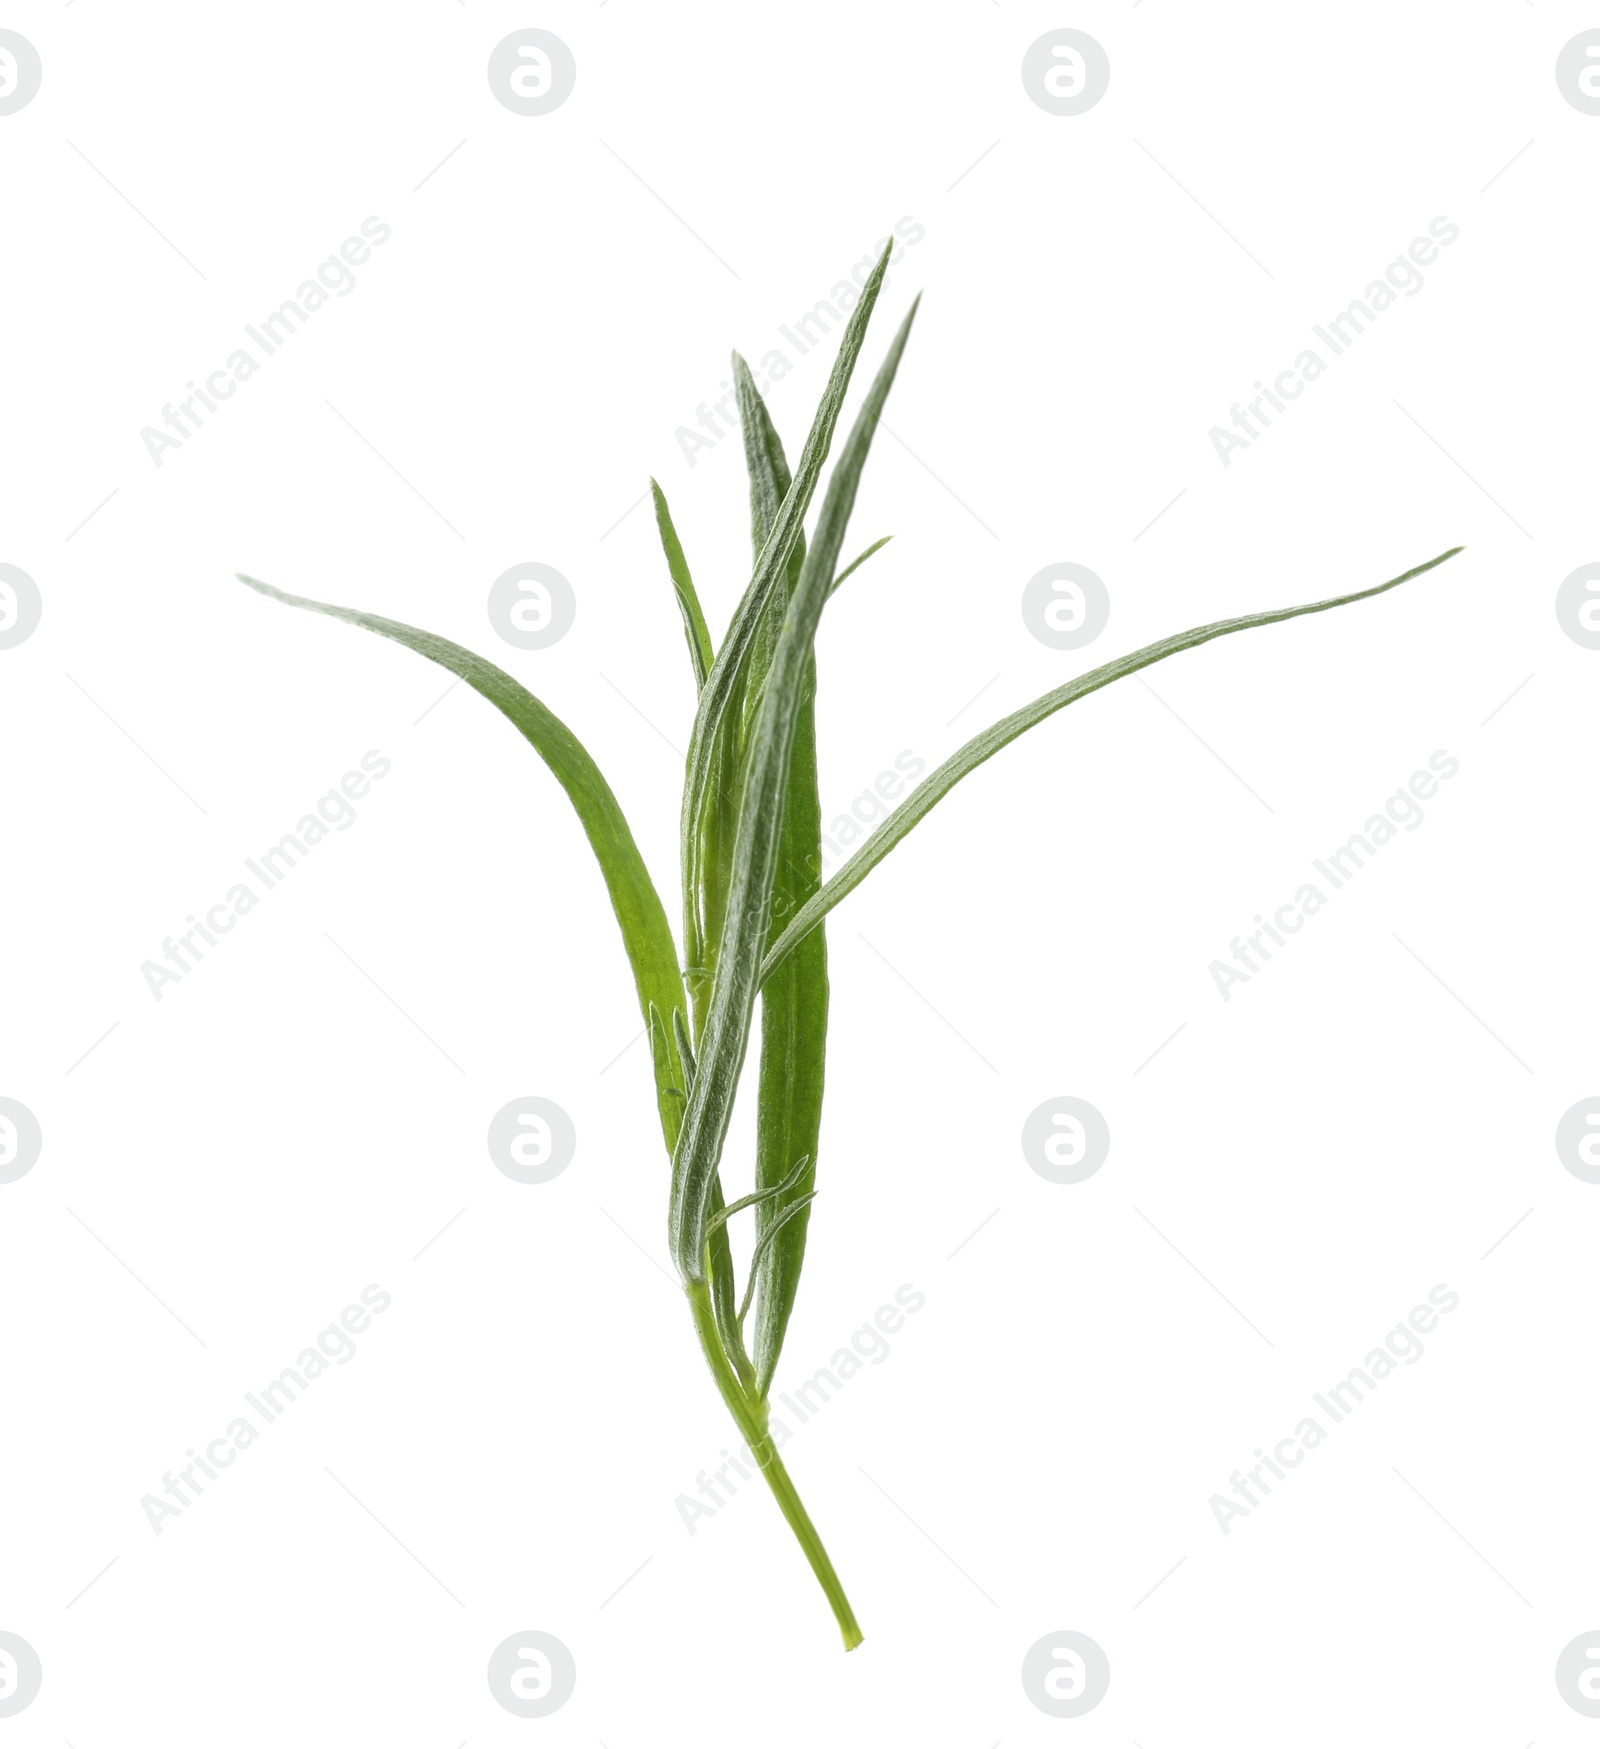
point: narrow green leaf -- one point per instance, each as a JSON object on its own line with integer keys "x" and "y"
{"x": 768, "y": 468}
{"x": 680, "y": 1033}
{"x": 794, "y": 1005}
{"x": 938, "y": 784}
{"x": 705, "y": 880}
{"x": 645, "y": 933}
{"x": 755, "y": 853}
{"x": 757, "y": 1196}
{"x": 695, "y": 633}
{"x": 660, "y": 1058}
{"x": 789, "y": 1218}
{"x": 766, "y": 464}
{"x": 719, "y": 1253}
{"x": 856, "y": 563}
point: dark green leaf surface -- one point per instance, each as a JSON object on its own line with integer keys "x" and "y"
{"x": 938, "y": 784}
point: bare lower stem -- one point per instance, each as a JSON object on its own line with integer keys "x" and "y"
{"x": 751, "y": 1418}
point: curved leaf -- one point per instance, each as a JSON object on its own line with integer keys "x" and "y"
{"x": 938, "y": 784}
{"x": 645, "y": 934}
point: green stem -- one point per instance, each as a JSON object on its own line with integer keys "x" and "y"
{"x": 751, "y": 1417}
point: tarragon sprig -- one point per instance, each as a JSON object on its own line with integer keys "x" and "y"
{"x": 753, "y": 902}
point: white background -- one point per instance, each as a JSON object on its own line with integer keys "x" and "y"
{"x": 1292, "y": 1172}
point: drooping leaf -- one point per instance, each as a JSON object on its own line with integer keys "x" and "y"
{"x": 939, "y": 783}
{"x": 646, "y": 936}
{"x": 695, "y": 633}
{"x": 755, "y": 853}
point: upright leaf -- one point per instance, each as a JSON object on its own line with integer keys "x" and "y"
{"x": 755, "y": 852}
{"x": 719, "y": 1253}
{"x": 938, "y": 784}
{"x": 706, "y": 877}
{"x": 859, "y": 560}
{"x": 768, "y": 468}
{"x": 794, "y": 1003}
{"x": 695, "y": 633}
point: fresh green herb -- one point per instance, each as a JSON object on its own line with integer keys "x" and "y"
{"x": 753, "y": 903}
